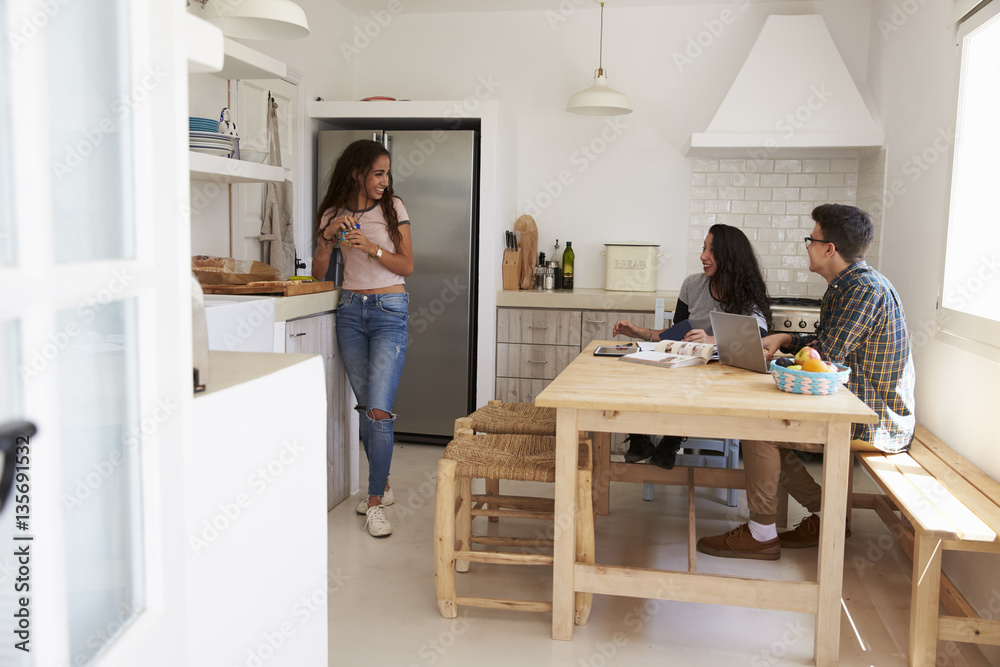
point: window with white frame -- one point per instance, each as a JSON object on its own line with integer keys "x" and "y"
{"x": 969, "y": 311}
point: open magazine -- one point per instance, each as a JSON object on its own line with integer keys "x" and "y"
{"x": 674, "y": 354}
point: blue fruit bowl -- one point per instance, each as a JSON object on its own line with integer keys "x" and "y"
{"x": 805, "y": 382}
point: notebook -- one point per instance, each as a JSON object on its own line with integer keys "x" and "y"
{"x": 737, "y": 338}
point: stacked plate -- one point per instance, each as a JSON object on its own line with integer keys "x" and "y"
{"x": 205, "y": 138}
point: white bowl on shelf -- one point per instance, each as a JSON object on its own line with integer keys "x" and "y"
{"x": 253, "y": 156}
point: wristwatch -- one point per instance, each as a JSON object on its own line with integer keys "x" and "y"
{"x": 378, "y": 253}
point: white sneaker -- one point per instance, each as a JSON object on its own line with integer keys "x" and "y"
{"x": 376, "y": 524}
{"x": 388, "y": 499}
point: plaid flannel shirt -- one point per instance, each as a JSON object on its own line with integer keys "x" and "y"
{"x": 861, "y": 325}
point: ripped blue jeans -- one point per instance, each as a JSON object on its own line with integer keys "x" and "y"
{"x": 371, "y": 336}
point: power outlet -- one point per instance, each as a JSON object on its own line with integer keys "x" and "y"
{"x": 658, "y": 318}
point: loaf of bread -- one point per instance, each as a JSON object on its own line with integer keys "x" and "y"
{"x": 228, "y": 271}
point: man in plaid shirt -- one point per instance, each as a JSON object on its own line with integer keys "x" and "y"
{"x": 862, "y": 326}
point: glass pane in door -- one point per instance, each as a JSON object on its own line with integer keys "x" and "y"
{"x": 93, "y": 102}
{"x": 10, "y": 372}
{"x": 100, "y": 438}
{"x": 7, "y": 255}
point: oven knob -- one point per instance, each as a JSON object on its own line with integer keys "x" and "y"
{"x": 788, "y": 324}
{"x": 802, "y": 324}
{"x": 816, "y": 324}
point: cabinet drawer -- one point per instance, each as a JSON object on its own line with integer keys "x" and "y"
{"x": 535, "y": 325}
{"x": 519, "y": 390}
{"x": 533, "y": 361}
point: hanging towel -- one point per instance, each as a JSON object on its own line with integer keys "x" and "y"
{"x": 276, "y": 236}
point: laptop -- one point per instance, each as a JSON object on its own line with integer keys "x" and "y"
{"x": 737, "y": 338}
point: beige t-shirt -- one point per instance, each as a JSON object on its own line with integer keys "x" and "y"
{"x": 360, "y": 272}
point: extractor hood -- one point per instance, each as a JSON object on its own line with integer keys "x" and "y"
{"x": 794, "y": 97}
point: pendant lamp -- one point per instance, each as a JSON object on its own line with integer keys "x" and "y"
{"x": 257, "y": 19}
{"x": 600, "y": 99}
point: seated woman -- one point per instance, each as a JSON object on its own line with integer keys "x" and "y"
{"x": 731, "y": 281}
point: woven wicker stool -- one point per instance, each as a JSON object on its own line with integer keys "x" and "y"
{"x": 512, "y": 457}
{"x": 507, "y": 418}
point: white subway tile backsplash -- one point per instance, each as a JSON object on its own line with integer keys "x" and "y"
{"x": 718, "y": 179}
{"x": 801, "y": 180}
{"x": 741, "y": 206}
{"x": 830, "y": 180}
{"x": 771, "y": 201}
{"x": 760, "y": 166}
{"x": 816, "y": 166}
{"x": 846, "y": 165}
{"x": 788, "y": 166}
{"x": 815, "y": 194}
{"x": 717, "y": 205}
{"x": 734, "y": 166}
{"x": 843, "y": 195}
{"x": 746, "y": 180}
{"x": 759, "y": 194}
{"x": 785, "y": 194}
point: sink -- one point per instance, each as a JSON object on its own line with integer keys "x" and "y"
{"x": 240, "y": 323}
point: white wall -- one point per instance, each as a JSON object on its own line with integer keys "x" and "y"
{"x": 622, "y": 178}
{"x": 914, "y": 72}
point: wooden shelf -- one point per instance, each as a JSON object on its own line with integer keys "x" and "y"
{"x": 226, "y": 170}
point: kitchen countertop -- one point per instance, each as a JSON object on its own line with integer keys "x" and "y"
{"x": 587, "y": 299}
{"x": 290, "y": 307}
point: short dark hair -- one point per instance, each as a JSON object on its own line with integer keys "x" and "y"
{"x": 848, "y": 228}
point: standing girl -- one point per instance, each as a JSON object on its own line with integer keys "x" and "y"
{"x": 361, "y": 214}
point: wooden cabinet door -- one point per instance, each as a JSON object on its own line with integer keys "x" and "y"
{"x": 519, "y": 390}
{"x": 318, "y": 335}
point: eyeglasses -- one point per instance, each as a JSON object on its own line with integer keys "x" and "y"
{"x": 810, "y": 239}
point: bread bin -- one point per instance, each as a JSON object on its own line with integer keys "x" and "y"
{"x": 631, "y": 266}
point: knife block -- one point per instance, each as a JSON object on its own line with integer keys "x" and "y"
{"x": 511, "y": 269}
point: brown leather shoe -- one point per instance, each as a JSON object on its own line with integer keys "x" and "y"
{"x": 739, "y": 543}
{"x": 805, "y": 534}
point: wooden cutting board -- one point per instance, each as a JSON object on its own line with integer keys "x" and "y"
{"x": 282, "y": 287}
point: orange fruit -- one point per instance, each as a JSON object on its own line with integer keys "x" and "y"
{"x": 814, "y": 366}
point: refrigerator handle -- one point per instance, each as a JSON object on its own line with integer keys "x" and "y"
{"x": 387, "y": 141}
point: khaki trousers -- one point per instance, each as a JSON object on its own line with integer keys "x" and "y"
{"x": 770, "y": 465}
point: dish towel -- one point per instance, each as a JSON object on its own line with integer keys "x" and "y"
{"x": 276, "y": 236}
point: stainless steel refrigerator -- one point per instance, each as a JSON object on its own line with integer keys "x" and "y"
{"x": 435, "y": 172}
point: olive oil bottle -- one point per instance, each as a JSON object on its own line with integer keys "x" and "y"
{"x": 567, "y": 268}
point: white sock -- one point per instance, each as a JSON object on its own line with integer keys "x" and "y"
{"x": 763, "y": 533}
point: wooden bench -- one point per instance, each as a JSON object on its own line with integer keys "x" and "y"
{"x": 946, "y": 503}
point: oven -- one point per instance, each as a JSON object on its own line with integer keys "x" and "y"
{"x": 797, "y": 316}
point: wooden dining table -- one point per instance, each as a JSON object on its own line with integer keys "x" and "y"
{"x": 606, "y": 394}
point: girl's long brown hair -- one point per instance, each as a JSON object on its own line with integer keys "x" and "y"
{"x": 738, "y": 283}
{"x": 348, "y": 180}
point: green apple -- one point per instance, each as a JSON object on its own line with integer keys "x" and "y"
{"x": 805, "y": 354}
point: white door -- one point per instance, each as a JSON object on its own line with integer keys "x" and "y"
{"x": 94, "y": 330}
{"x": 250, "y": 112}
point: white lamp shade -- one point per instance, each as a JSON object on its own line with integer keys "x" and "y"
{"x": 599, "y": 99}
{"x": 258, "y": 19}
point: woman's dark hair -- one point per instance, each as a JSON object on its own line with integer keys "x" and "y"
{"x": 738, "y": 283}
{"x": 848, "y": 228}
{"x": 348, "y": 179}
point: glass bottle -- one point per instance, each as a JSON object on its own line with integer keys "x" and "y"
{"x": 567, "y": 266}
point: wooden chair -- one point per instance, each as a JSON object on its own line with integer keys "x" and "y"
{"x": 510, "y": 457}
{"x": 507, "y": 418}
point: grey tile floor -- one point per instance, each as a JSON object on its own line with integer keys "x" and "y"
{"x": 383, "y": 611}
